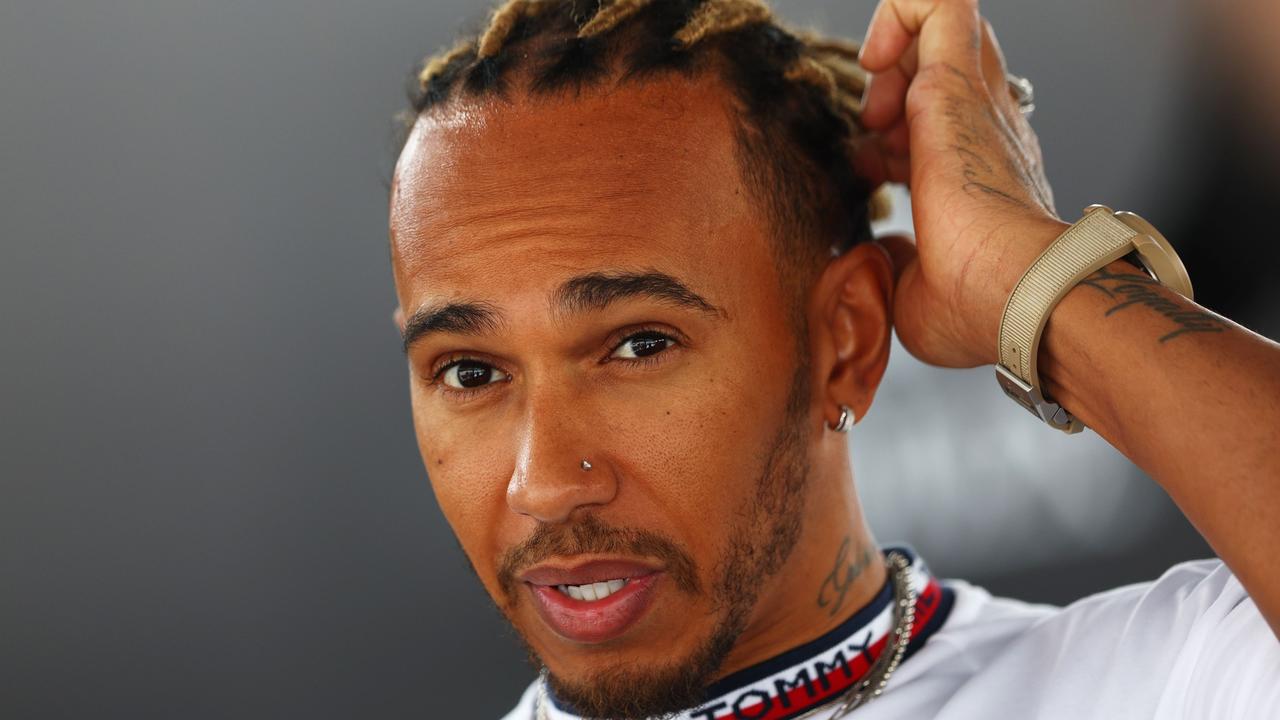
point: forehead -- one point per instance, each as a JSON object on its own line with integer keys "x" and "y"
{"x": 642, "y": 175}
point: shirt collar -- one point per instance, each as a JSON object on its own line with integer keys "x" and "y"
{"x": 819, "y": 671}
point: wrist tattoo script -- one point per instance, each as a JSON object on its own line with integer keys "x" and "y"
{"x": 1134, "y": 289}
{"x": 837, "y": 585}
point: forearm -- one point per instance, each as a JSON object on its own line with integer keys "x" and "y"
{"x": 1191, "y": 398}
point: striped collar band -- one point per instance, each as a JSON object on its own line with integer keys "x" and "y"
{"x": 818, "y": 672}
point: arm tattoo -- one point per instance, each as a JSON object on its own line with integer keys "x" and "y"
{"x": 1130, "y": 289}
{"x": 837, "y": 585}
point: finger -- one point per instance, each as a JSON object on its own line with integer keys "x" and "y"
{"x": 897, "y": 139}
{"x": 993, "y": 68}
{"x": 888, "y": 97}
{"x": 876, "y": 167}
{"x": 869, "y": 162}
{"x": 909, "y": 63}
{"x": 995, "y": 71}
{"x": 898, "y": 169}
{"x": 884, "y": 98}
{"x": 901, "y": 250}
{"x": 948, "y": 31}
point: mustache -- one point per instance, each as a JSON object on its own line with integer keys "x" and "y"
{"x": 590, "y": 535}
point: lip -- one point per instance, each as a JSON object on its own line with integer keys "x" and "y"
{"x": 592, "y": 621}
{"x": 586, "y": 572}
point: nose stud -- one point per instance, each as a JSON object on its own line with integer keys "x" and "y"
{"x": 586, "y": 465}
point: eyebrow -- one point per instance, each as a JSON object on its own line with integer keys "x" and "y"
{"x": 592, "y": 292}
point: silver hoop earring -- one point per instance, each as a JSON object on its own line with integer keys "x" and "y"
{"x": 846, "y": 421}
{"x": 585, "y": 464}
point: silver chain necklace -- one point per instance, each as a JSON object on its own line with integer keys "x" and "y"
{"x": 876, "y": 679}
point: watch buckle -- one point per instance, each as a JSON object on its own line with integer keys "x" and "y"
{"x": 1035, "y": 402}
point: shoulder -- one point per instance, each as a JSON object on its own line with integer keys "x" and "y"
{"x": 1191, "y": 643}
{"x": 1190, "y": 592}
{"x": 1181, "y": 613}
{"x": 524, "y": 709}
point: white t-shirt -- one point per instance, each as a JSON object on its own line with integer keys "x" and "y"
{"x": 1189, "y": 645}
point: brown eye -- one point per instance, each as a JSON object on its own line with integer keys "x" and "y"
{"x": 641, "y": 345}
{"x": 470, "y": 374}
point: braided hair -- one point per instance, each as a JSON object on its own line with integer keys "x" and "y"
{"x": 798, "y": 96}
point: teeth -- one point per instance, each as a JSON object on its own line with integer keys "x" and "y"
{"x": 593, "y": 591}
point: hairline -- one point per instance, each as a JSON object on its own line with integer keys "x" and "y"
{"x": 792, "y": 273}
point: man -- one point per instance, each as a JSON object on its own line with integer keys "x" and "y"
{"x": 639, "y": 313}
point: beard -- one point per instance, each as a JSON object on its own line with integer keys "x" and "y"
{"x": 762, "y": 537}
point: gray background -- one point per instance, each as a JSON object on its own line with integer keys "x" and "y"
{"x": 211, "y": 503}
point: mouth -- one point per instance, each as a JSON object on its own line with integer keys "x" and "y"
{"x": 593, "y": 602}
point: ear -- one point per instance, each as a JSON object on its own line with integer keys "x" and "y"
{"x": 398, "y": 318}
{"x": 851, "y": 321}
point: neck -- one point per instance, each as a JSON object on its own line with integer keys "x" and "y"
{"x": 835, "y": 569}
{"x": 848, "y": 665}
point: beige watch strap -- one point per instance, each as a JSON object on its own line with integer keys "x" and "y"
{"x": 1100, "y": 238}
{"x": 1094, "y": 242}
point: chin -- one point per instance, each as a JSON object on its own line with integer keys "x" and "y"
{"x": 631, "y": 688}
{"x": 652, "y": 671}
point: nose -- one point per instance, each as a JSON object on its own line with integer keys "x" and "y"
{"x": 550, "y": 480}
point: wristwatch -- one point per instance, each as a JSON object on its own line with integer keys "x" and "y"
{"x": 1097, "y": 240}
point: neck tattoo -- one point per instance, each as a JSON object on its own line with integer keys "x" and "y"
{"x": 836, "y": 586}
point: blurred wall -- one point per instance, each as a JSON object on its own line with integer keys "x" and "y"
{"x": 211, "y": 503}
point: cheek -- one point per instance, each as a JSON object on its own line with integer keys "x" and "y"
{"x": 463, "y": 464}
{"x": 692, "y": 452}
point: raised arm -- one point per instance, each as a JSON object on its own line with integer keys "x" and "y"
{"x": 1190, "y": 397}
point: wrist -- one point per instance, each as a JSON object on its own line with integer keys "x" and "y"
{"x": 1014, "y": 248}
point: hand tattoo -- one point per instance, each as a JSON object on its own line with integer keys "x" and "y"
{"x": 1130, "y": 289}
{"x": 972, "y": 141}
{"x": 840, "y": 581}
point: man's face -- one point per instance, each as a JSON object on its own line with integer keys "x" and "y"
{"x": 587, "y": 279}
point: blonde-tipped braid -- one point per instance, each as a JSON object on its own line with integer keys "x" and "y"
{"x": 827, "y": 67}
{"x": 841, "y": 57}
{"x": 820, "y": 43}
{"x": 842, "y": 88}
{"x": 715, "y": 17}
{"x": 830, "y": 65}
{"x": 503, "y": 22}
{"x": 611, "y": 16}
{"x": 850, "y": 78}
{"x": 880, "y": 204}
{"x": 811, "y": 71}
{"x": 437, "y": 64}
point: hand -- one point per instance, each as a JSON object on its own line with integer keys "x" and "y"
{"x": 947, "y": 125}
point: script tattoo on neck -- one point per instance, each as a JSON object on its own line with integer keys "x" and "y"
{"x": 1135, "y": 289}
{"x": 836, "y": 586}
